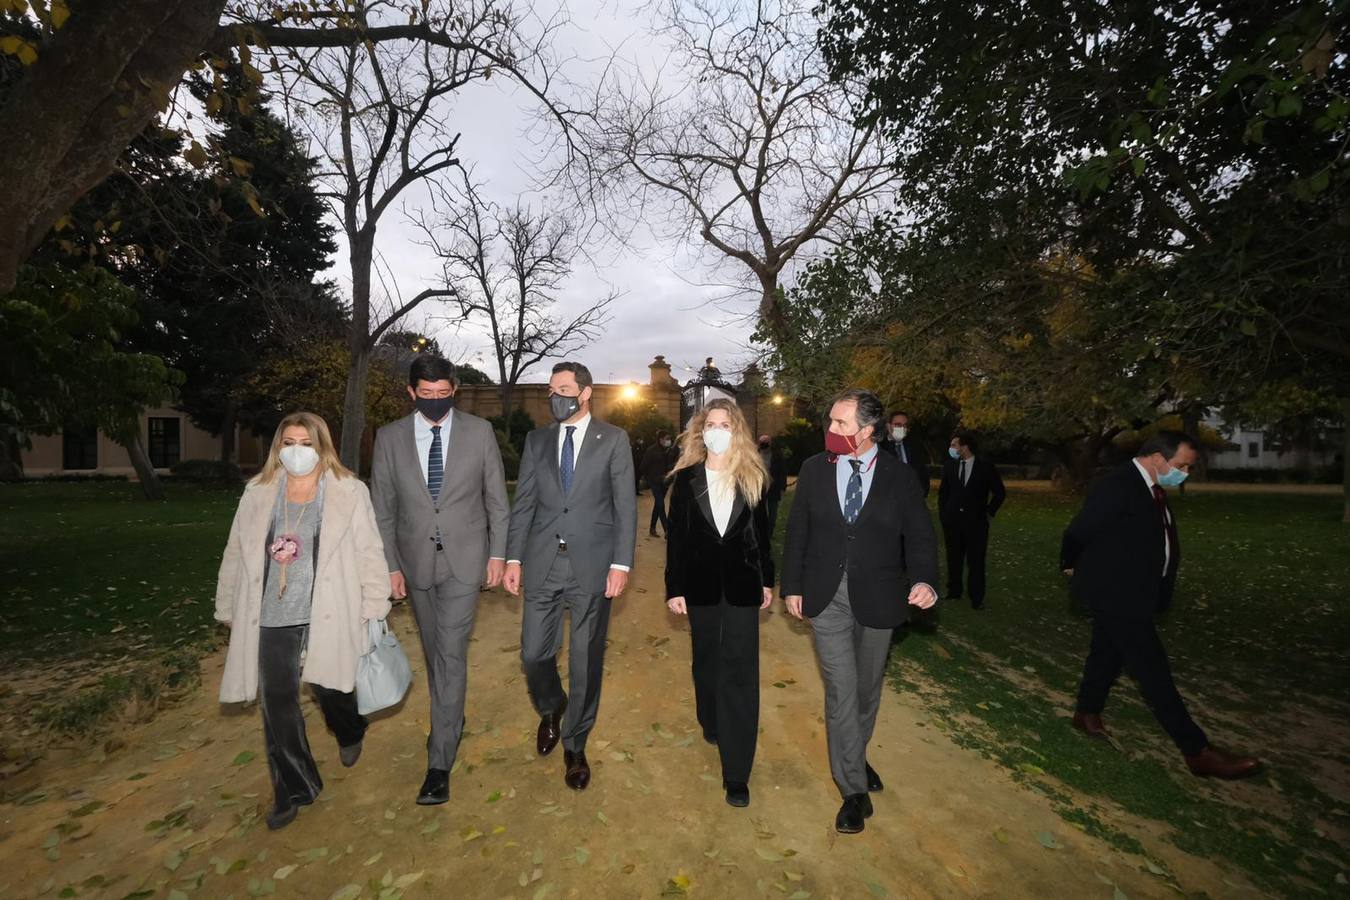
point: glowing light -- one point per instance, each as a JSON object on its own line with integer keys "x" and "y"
{"x": 777, "y": 399}
{"x": 629, "y": 392}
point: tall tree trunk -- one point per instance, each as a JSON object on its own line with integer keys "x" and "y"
{"x": 358, "y": 344}
{"x": 1345, "y": 454}
{"x": 151, "y": 486}
{"x": 229, "y": 424}
{"x": 505, "y": 392}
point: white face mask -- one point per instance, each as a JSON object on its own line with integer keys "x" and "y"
{"x": 298, "y": 459}
{"x": 898, "y": 432}
{"x": 717, "y": 440}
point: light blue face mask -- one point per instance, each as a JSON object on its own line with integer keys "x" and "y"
{"x": 1172, "y": 478}
{"x": 953, "y": 453}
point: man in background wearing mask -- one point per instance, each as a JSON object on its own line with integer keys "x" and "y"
{"x": 440, "y": 498}
{"x": 1122, "y": 553}
{"x": 573, "y": 532}
{"x": 903, "y": 445}
{"x": 657, "y": 461}
{"x": 773, "y": 461}
{"x": 968, "y": 499}
{"x": 854, "y": 508}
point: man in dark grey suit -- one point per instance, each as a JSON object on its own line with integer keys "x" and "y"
{"x": 440, "y": 498}
{"x": 573, "y": 529}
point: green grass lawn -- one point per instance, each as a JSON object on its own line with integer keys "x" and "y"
{"x": 1258, "y": 638}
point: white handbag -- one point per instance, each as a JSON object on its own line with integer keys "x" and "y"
{"x": 382, "y": 673}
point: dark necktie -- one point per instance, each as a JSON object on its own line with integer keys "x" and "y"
{"x": 435, "y": 464}
{"x": 569, "y": 464}
{"x": 1169, "y": 525}
{"x": 853, "y": 500}
{"x": 962, "y": 474}
{"x": 904, "y": 457}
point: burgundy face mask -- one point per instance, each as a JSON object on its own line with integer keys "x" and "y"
{"x": 840, "y": 444}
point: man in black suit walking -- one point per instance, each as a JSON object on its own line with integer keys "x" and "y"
{"x": 968, "y": 499}
{"x": 1122, "y": 552}
{"x": 773, "y": 461}
{"x": 854, "y": 508}
{"x": 903, "y": 445}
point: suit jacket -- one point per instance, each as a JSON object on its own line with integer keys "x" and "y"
{"x": 657, "y": 461}
{"x": 916, "y": 455}
{"x": 974, "y": 502}
{"x": 1115, "y": 548}
{"x": 471, "y": 511}
{"x": 703, "y": 565}
{"x": 885, "y": 552}
{"x": 597, "y": 518}
{"x": 777, "y": 476}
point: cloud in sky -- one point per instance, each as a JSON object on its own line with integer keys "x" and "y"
{"x": 675, "y": 297}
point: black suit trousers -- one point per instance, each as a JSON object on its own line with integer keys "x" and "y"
{"x": 967, "y": 546}
{"x": 726, "y": 681}
{"x": 1134, "y": 645}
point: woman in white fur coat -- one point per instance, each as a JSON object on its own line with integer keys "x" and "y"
{"x": 303, "y": 572}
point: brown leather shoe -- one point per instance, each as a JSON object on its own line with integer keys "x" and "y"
{"x": 578, "y": 770}
{"x": 1090, "y": 724}
{"x": 1212, "y": 762}
{"x": 550, "y": 730}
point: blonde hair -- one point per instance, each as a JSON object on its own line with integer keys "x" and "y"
{"x": 319, "y": 436}
{"x": 743, "y": 463}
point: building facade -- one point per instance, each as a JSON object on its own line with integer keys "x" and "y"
{"x": 169, "y": 435}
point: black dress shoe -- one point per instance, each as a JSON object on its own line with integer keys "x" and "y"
{"x": 977, "y": 606}
{"x": 738, "y": 793}
{"x": 578, "y": 773}
{"x": 435, "y": 789}
{"x": 873, "y": 779}
{"x": 278, "y": 819}
{"x": 350, "y": 754}
{"x": 852, "y": 815}
{"x": 550, "y": 730}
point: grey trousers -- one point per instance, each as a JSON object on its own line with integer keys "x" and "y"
{"x": 852, "y": 660}
{"x": 541, "y": 642}
{"x": 444, "y": 620}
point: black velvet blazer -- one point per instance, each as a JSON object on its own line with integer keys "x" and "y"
{"x": 703, "y": 566}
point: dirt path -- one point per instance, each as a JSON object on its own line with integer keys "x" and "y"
{"x": 177, "y": 811}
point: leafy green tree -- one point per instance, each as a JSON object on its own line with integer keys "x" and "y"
{"x": 61, "y": 362}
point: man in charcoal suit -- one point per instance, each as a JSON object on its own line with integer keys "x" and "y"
{"x": 573, "y": 532}
{"x": 968, "y": 499}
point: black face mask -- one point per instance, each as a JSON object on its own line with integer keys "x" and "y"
{"x": 563, "y": 408}
{"x": 433, "y": 409}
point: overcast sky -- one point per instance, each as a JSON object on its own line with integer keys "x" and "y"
{"x": 674, "y": 297}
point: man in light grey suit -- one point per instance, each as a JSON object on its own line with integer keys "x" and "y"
{"x": 573, "y": 527}
{"x": 440, "y": 499}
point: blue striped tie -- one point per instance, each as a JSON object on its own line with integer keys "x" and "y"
{"x": 435, "y": 465}
{"x": 853, "y": 493}
{"x": 568, "y": 465}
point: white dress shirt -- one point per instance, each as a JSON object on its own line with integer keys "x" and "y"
{"x": 721, "y": 497}
{"x": 422, "y": 436}
{"x": 1167, "y": 517}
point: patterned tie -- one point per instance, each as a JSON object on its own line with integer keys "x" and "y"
{"x": 435, "y": 465}
{"x": 904, "y": 457}
{"x": 853, "y": 494}
{"x": 1169, "y": 525}
{"x": 569, "y": 463}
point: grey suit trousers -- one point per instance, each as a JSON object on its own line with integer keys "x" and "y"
{"x": 852, "y": 660}
{"x": 541, "y": 642}
{"x": 445, "y": 616}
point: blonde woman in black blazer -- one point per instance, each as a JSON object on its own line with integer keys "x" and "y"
{"x": 719, "y": 572}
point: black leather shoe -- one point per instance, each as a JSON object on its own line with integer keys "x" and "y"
{"x": 738, "y": 793}
{"x": 550, "y": 730}
{"x": 852, "y": 815}
{"x": 277, "y": 820}
{"x": 977, "y": 606}
{"x": 873, "y": 779}
{"x": 578, "y": 773}
{"x": 435, "y": 789}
